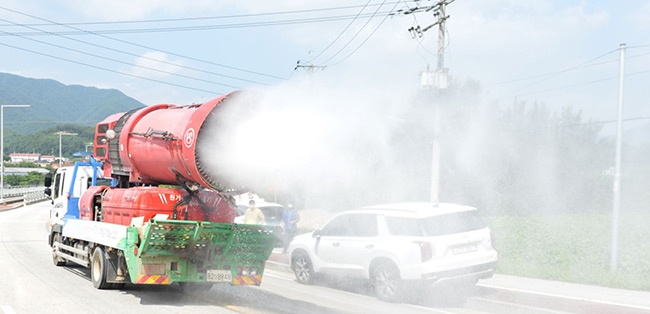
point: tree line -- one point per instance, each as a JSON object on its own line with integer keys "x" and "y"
{"x": 46, "y": 142}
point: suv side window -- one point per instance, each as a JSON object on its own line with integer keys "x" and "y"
{"x": 337, "y": 227}
{"x": 364, "y": 225}
{"x": 352, "y": 225}
{"x": 400, "y": 226}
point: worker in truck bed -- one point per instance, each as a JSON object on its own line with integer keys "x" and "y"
{"x": 253, "y": 215}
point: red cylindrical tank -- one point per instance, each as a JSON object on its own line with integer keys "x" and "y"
{"x": 119, "y": 206}
{"x": 157, "y": 144}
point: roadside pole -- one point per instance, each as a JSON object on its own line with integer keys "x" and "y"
{"x": 617, "y": 165}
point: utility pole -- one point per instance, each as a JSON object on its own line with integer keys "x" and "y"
{"x": 310, "y": 68}
{"x": 617, "y": 166}
{"x": 438, "y": 80}
{"x": 60, "y": 133}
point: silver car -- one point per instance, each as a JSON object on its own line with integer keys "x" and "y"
{"x": 395, "y": 245}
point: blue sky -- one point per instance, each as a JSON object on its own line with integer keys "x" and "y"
{"x": 559, "y": 53}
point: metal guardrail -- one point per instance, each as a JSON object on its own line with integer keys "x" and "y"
{"x": 22, "y": 196}
{"x": 34, "y": 197}
{"x": 21, "y": 190}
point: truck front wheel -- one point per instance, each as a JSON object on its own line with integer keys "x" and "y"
{"x": 98, "y": 269}
{"x": 56, "y": 259}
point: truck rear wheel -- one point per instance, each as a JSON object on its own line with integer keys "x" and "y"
{"x": 98, "y": 269}
{"x": 56, "y": 259}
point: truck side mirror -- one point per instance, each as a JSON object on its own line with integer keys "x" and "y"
{"x": 48, "y": 181}
{"x": 48, "y": 191}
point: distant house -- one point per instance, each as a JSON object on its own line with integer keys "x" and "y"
{"x": 18, "y": 157}
{"x": 48, "y": 158}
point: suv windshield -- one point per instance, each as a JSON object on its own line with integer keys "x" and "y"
{"x": 435, "y": 225}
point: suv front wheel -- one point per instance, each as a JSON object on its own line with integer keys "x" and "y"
{"x": 386, "y": 282}
{"x": 303, "y": 269}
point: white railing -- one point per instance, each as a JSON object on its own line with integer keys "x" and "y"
{"x": 22, "y": 190}
{"x": 29, "y": 194}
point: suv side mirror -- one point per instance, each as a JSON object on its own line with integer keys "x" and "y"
{"x": 316, "y": 233}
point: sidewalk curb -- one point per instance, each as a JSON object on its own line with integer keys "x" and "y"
{"x": 278, "y": 266}
{"x": 278, "y": 261}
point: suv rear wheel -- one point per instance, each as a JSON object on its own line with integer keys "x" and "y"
{"x": 386, "y": 281}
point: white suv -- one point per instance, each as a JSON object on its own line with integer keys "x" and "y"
{"x": 396, "y": 244}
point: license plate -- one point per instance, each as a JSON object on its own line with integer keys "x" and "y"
{"x": 464, "y": 248}
{"x": 216, "y": 275}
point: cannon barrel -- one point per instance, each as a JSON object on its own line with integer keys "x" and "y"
{"x": 159, "y": 144}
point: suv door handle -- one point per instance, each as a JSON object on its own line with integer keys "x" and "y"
{"x": 370, "y": 246}
{"x": 336, "y": 244}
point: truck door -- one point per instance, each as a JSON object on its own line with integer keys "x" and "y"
{"x": 59, "y": 200}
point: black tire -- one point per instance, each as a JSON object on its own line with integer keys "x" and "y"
{"x": 58, "y": 261}
{"x": 303, "y": 268}
{"x": 117, "y": 285}
{"x": 98, "y": 269}
{"x": 386, "y": 282}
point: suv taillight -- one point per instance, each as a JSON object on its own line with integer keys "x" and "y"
{"x": 426, "y": 251}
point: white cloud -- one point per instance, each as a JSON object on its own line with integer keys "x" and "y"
{"x": 156, "y": 64}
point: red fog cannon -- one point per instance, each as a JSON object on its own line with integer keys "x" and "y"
{"x": 153, "y": 146}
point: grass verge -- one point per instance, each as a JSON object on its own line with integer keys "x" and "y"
{"x": 575, "y": 248}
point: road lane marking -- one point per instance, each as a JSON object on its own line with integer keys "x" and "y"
{"x": 357, "y": 295}
{"x": 523, "y": 306}
{"x": 568, "y": 297}
{"x": 239, "y": 309}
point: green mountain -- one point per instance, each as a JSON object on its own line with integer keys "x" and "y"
{"x": 55, "y": 107}
{"x": 53, "y": 103}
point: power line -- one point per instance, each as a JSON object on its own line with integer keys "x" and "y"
{"x": 603, "y": 122}
{"x": 356, "y": 34}
{"x": 123, "y": 52}
{"x": 185, "y": 19}
{"x": 207, "y": 27}
{"x": 143, "y": 46}
{"x": 109, "y": 70}
{"x": 367, "y": 38}
{"x": 555, "y": 73}
{"x": 567, "y": 86}
{"x": 567, "y": 70}
{"x": 341, "y": 33}
{"x": 127, "y": 63}
{"x": 584, "y": 83}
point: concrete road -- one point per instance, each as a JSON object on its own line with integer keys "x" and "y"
{"x": 30, "y": 283}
